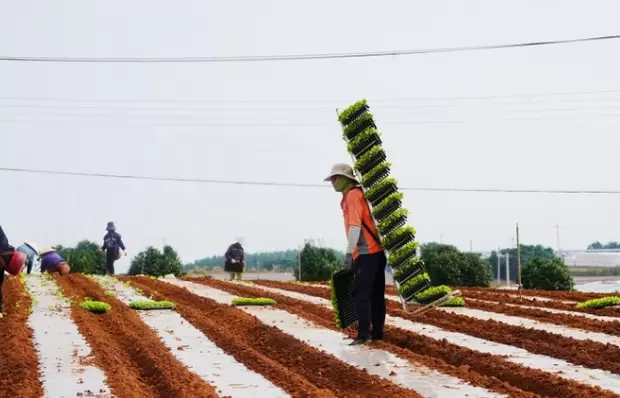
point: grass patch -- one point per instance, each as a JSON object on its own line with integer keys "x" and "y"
{"x": 96, "y": 307}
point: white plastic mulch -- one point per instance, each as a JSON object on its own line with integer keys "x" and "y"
{"x": 60, "y": 346}
{"x": 561, "y": 368}
{"x": 199, "y": 354}
{"x": 416, "y": 377}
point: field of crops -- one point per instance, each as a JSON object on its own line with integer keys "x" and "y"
{"x": 497, "y": 345}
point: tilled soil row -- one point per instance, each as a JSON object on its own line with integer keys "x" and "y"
{"x": 136, "y": 363}
{"x": 18, "y": 358}
{"x": 587, "y": 353}
{"x": 552, "y": 294}
{"x": 287, "y": 362}
{"x": 558, "y": 305}
{"x": 479, "y": 369}
{"x": 575, "y": 321}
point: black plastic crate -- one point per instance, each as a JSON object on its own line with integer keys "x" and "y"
{"x": 359, "y": 112}
{"x": 387, "y": 210}
{"x": 343, "y": 289}
{"x": 364, "y": 145}
{"x": 378, "y": 177}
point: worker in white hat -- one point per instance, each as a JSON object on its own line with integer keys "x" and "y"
{"x": 364, "y": 255}
{"x": 31, "y": 250}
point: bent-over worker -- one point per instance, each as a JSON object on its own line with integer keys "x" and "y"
{"x": 364, "y": 255}
{"x": 52, "y": 261}
{"x": 31, "y": 250}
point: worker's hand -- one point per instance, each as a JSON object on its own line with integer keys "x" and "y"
{"x": 233, "y": 261}
{"x": 124, "y": 252}
{"x": 348, "y": 261}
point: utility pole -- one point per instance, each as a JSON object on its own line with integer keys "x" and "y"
{"x": 508, "y": 268}
{"x": 299, "y": 263}
{"x": 257, "y": 269}
{"x": 518, "y": 262}
{"x": 471, "y": 246}
{"x": 441, "y": 238}
{"x": 557, "y": 232}
{"x": 499, "y": 261}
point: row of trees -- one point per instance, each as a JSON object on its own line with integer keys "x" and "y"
{"x": 86, "y": 258}
{"x": 446, "y": 265}
{"x": 286, "y": 259}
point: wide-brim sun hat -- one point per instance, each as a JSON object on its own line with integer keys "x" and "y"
{"x": 33, "y": 246}
{"x": 342, "y": 169}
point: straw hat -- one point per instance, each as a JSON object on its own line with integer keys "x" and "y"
{"x": 33, "y": 246}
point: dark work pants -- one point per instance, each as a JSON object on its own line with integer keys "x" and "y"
{"x": 369, "y": 294}
{"x": 110, "y": 259}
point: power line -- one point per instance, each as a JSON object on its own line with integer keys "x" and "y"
{"x": 302, "y": 57}
{"x": 333, "y": 101}
{"x": 298, "y": 185}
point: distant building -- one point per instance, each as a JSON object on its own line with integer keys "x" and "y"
{"x": 590, "y": 258}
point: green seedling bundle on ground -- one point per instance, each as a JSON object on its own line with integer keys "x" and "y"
{"x": 600, "y": 303}
{"x": 96, "y": 307}
{"x": 151, "y": 305}
{"x": 253, "y": 301}
{"x": 381, "y": 190}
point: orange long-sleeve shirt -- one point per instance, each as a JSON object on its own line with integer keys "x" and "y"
{"x": 355, "y": 209}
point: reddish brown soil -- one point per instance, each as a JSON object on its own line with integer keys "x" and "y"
{"x": 289, "y": 363}
{"x": 558, "y": 295}
{"x": 484, "y": 295}
{"x": 18, "y": 358}
{"x": 484, "y": 370}
{"x": 131, "y": 354}
{"x": 574, "y": 320}
{"x": 580, "y": 352}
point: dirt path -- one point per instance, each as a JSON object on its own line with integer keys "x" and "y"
{"x": 136, "y": 363}
{"x": 299, "y": 369}
{"x": 18, "y": 358}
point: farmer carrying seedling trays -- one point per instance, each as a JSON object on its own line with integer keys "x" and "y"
{"x": 11, "y": 261}
{"x": 364, "y": 255}
{"x": 112, "y": 244}
{"x": 235, "y": 260}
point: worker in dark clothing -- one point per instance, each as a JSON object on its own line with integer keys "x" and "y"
{"x": 112, "y": 245}
{"x": 364, "y": 255}
{"x": 235, "y": 260}
{"x": 31, "y": 250}
{"x": 4, "y": 247}
{"x": 11, "y": 261}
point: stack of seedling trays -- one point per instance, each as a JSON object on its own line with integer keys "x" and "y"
{"x": 398, "y": 239}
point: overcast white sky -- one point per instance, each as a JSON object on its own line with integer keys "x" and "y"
{"x": 433, "y": 140}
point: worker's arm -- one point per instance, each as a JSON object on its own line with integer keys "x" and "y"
{"x": 4, "y": 241}
{"x": 354, "y": 205}
{"x": 120, "y": 242}
{"x": 228, "y": 254}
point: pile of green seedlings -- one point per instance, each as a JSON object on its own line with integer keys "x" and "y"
{"x": 96, "y": 307}
{"x": 253, "y": 301}
{"x": 386, "y": 201}
{"x": 595, "y": 304}
{"x": 151, "y": 305}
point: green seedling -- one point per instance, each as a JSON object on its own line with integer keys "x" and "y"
{"x": 151, "y": 305}
{"x": 96, "y": 307}
{"x": 253, "y": 301}
{"x": 455, "y": 302}
{"x": 599, "y": 303}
